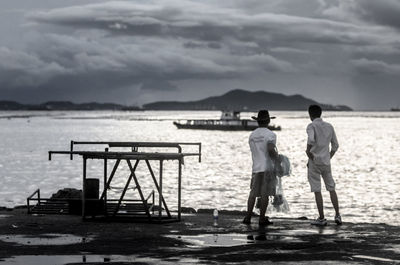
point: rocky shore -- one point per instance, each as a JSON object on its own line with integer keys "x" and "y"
{"x": 61, "y": 239}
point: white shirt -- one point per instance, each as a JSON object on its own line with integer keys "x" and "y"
{"x": 258, "y": 142}
{"x": 320, "y": 135}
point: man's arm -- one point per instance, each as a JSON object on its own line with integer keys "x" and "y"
{"x": 308, "y": 152}
{"x": 310, "y": 141}
{"x": 334, "y": 143}
{"x": 272, "y": 151}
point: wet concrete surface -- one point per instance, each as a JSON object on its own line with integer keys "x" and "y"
{"x": 44, "y": 239}
{"x": 56, "y": 239}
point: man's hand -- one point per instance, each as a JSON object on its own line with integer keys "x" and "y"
{"x": 310, "y": 155}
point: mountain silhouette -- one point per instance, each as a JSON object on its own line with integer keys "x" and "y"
{"x": 243, "y": 100}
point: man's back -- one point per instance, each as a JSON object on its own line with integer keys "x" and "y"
{"x": 320, "y": 135}
{"x": 258, "y": 142}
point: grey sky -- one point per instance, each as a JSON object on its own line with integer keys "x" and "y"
{"x": 134, "y": 52}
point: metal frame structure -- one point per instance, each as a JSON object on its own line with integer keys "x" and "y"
{"x": 132, "y": 159}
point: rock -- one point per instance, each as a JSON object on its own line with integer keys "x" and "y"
{"x": 208, "y": 211}
{"x": 232, "y": 212}
{"x": 67, "y": 193}
{"x": 188, "y": 210}
{"x": 21, "y": 207}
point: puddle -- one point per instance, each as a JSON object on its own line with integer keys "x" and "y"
{"x": 107, "y": 259}
{"x": 375, "y": 258}
{"x": 4, "y": 215}
{"x": 305, "y": 232}
{"x": 45, "y": 239}
{"x": 231, "y": 240}
{"x": 394, "y": 248}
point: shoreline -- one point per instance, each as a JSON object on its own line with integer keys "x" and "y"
{"x": 195, "y": 239}
{"x": 209, "y": 211}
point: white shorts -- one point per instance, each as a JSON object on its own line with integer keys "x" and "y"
{"x": 315, "y": 172}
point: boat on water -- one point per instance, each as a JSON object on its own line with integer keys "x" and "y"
{"x": 395, "y": 109}
{"x": 229, "y": 121}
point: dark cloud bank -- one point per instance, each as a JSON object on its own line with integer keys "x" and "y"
{"x": 133, "y": 52}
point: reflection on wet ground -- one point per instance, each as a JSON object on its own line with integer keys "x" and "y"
{"x": 304, "y": 232}
{"x": 45, "y": 239}
{"x": 233, "y": 239}
{"x": 372, "y": 258}
{"x": 91, "y": 259}
{"x": 394, "y": 248}
{"x": 194, "y": 240}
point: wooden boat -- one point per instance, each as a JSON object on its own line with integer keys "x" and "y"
{"x": 229, "y": 121}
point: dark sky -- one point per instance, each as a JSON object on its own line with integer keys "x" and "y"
{"x": 134, "y": 52}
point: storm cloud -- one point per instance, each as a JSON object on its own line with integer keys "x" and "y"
{"x": 171, "y": 47}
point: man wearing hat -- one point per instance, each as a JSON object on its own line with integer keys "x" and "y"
{"x": 262, "y": 143}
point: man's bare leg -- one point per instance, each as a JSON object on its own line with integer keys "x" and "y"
{"x": 263, "y": 207}
{"x": 320, "y": 204}
{"x": 335, "y": 201}
{"x": 250, "y": 205}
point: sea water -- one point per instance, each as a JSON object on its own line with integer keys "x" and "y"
{"x": 366, "y": 167}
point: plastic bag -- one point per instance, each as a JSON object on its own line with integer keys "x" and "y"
{"x": 279, "y": 202}
{"x": 282, "y": 166}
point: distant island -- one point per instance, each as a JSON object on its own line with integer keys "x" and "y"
{"x": 242, "y": 100}
{"x": 64, "y": 105}
{"x": 239, "y": 100}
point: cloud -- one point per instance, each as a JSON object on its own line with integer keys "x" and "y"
{"x": 237, "y": 28}
{"x": 157, "y": 85}
{"x": 146, "y": 42}
{"x": 19, "y": 69}
{"x": 384, "y": 12}
{"x": 156, "y": 45}
{"x": 289, "y": 50}
{"x": 192, "y": 20}
{"x": 376, "y": 67}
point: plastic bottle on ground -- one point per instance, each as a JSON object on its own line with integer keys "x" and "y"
{"x": 215, "y": 217}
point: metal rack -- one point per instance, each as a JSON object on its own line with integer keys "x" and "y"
{"x": 143, "y": 209}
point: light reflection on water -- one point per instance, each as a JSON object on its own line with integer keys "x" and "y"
{"x": 366, "y": 167}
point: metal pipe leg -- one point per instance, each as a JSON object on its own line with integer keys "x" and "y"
{"x": 83, "y": 189}
{"x": 179, "y": 189}
{"x": 160, "y": 191}
{"x": 105, "y": 185}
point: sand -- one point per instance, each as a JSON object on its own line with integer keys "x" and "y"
{"x": 62, "y": 239}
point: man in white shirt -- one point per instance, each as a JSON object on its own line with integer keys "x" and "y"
{"x": 320, "y": 135}
{"x": 262, "y": 143}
